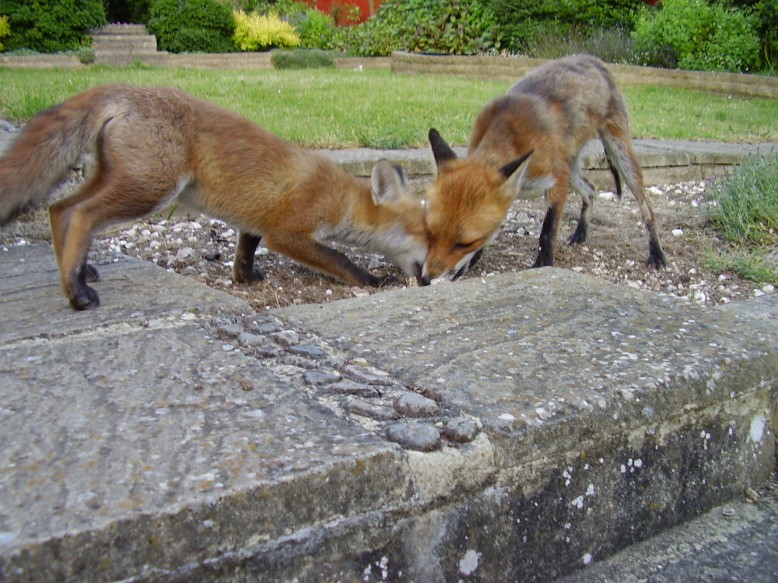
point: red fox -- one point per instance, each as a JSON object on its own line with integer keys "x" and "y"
{"x": 552, "y": 113}
{"x": 145, "y": 147}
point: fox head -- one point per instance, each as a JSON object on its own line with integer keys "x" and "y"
{"x": 400, "y": 232}
{"x": 466, "y": 205}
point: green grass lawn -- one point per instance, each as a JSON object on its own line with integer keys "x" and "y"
{"x": 340, "y": 108}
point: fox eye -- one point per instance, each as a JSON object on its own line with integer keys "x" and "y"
{"x": 463, "y": 246}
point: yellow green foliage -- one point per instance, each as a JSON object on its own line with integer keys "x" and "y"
{"x": 254, "y": 32}
{"x": 5, "y": 29}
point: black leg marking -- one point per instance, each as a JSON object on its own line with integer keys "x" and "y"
{"x": 545, "y": 256}
{"x": 243, "y": 269}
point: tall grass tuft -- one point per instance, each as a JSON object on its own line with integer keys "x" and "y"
{"x": 745, "y": 211}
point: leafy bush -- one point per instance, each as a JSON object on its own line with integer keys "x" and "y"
{"x": 183, "y": 26}
{"x": 5, "y": 29}
{"x": 316, "y": 29}
{"x": 524, "y": 25}
{"x": 50, "y": 26}
{"x": 127, "y": 10}
{"x": 766, "y": 14}
{"x": 302, "y": 59}
{"x": 255, "y": 32}
{"x": 693, "y": 34}
{"x": 612, "y": 45}
{"x": 456, "y": 27}
{"x": 86, "y": 55}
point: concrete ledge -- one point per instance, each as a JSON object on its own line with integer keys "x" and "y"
{"x": 663, "y": 162}
{"x": 172, "y": 435}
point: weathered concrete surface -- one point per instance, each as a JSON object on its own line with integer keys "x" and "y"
{"x": 135, "y": 443}
{"x": 172, "y": 435}
{"x": 611, "y": 413}
{"x": 736, "y": 542}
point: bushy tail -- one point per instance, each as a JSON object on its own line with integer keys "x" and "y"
{"x": 42, "y": 155}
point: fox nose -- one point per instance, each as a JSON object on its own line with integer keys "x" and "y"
{"x": 425, "y": 280}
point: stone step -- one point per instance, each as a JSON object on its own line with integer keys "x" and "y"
{"x": 121, "y": 30}
{"x": 148, "y": 43}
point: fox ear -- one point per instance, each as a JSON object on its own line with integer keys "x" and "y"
{"x": 440, "y": 149}
{"x": 514, "y": 173}
{"x": 387, "y": 182}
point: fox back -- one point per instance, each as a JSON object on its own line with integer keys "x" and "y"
{"x": 552, "y": 113}
{"x": 145, "y": 147}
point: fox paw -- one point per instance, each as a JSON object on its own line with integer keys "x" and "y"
{"x": 387, "y": 280}
{"x": 579, "y": 236}
{"x": 656, "y": 257}
{"x": 544, "y": 260}
{"x": 85, "y": 299}
{"x": 249, "y": 277}
{"x": 656, "y": 261}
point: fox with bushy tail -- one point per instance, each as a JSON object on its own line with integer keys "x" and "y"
{"x": 144, "y": 148}
{"x": 551, "y": 113}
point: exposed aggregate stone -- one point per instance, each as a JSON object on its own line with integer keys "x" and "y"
{"x": 365, "y": 394}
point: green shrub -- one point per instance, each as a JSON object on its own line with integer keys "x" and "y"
{"x": 612, "y": 45}
{"x": 456, "y": 27}
{"x": 525, "y": 25}
{"x": 255, "y": 32}
{"x": 136, "y": 11}
{"x": 50, "y": 26}
{"x": 302, "y": 59}
{"x": 693, "y": 34}
{"x": 86, "y": 55}
{"x": 765, "y": 13}
{"x": 316, "y": 29}
{"x": 5, "y": 29}
{"x": 190, "y": 26}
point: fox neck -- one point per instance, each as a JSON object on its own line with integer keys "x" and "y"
{"x": 367, "y": 224}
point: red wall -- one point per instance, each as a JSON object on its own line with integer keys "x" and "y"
{"x": 339, "y": 8}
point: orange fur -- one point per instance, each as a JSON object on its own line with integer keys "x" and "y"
{"x": 145, "y": 147}
{"x": 551, "y": 113}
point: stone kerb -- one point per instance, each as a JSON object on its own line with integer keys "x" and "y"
{"x": 512, "y": 68}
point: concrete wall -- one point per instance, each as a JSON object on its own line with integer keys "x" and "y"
{"x": 511, "y": 68}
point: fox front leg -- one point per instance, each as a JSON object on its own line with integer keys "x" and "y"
{"x": 243, "y": 270}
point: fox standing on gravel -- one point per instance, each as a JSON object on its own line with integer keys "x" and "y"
{"x": 551, "y": 113}
{"x": 146, "y": 147}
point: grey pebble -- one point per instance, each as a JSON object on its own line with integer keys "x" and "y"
{"x": 416, "y": 436}
{"x": 365, "y": 375}
{"x": 270, "y": 350}
{"x": 370, "y": 410}
{"x": 461, "y": 429}
{"x": 309, "y": 350}
{"x": 415, "y": 405}
{"x": 349, "y": 387}
{"x": 318, "y": 378}
{"x": 286, "y": 338}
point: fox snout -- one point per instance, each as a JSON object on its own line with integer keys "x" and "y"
{"x": 437, "y": 269}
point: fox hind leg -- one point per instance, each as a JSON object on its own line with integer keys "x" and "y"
{"x": 619, "y": 150}
{"x": 71, "y": 231}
